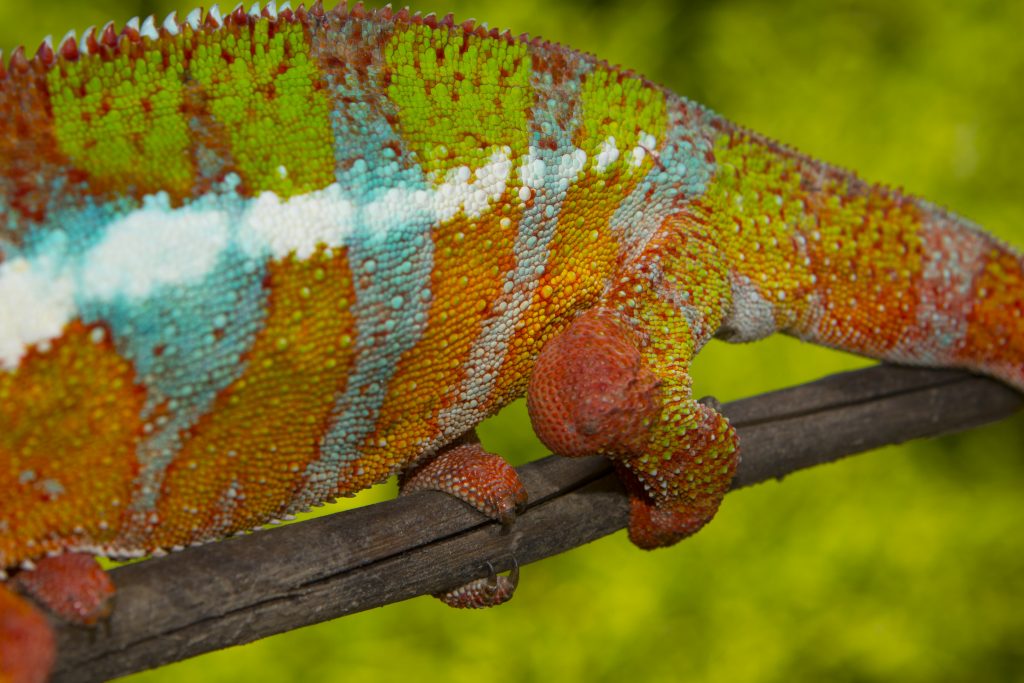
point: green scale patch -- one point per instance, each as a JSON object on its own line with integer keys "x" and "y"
{"x": 120, "y": 120}
{"x": 459, "y": 97}
{"x": 622, "y": 107}
{"x": 126, "y": 120}
{"x": 266, "y": 92}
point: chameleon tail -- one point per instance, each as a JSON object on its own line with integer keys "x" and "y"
{"x": 959, "y": 305}
{"x": 822, "y": 255}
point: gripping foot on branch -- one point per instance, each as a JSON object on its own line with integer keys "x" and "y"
{"x": 471, "y": 474}
{"x": 72, "y": 586}
{"x": 489, "y": 484}
{"x": 600, "y": 388}
{"x": 489, "y": 591}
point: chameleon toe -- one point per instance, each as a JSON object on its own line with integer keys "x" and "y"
{"x": 468, "y": 472}
{"x": 490, "y": 591}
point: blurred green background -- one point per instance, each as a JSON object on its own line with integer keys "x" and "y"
{"x": 903, "y": 564}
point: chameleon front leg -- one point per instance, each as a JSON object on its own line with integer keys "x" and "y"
{"x": 598, "y": 388}
{"x": 616, "y": 382}
{"x": 486, "y": 482}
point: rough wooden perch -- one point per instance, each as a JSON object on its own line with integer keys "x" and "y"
{"x": 249, "y": 587}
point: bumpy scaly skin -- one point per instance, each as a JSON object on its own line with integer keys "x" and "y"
{"x": 72, "y": 586}
{"x": 468, "y": 472}
{"x": 490, "y": 591}
{"x": 253, "y": 262}
{"x": 590, "y": 391}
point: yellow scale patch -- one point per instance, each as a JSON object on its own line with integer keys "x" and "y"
{"x": 67, "y": 460}
{"x": 247, "y": 456}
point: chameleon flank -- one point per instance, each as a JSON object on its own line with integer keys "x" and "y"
{"x": 255, "y": 261}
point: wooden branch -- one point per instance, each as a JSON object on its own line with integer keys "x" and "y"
{"x": 249, "y": 587}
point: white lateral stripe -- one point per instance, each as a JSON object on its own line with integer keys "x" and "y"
{"x": 35, "y": 305}
{"x": 156, "y": 245}
{"x": 608, "y": 155}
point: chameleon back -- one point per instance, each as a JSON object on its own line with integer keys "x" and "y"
{"x": 248, "y": 264}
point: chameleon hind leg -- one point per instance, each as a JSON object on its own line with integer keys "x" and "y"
{"x": 27, "y": 643}
{"x": 616, "y": 382}
{"x": 72, "y": 586}
{"x": 486, "y": 482}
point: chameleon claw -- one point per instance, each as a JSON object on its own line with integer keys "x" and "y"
{"x": 489, "y": 591}
{"x": 711, "y": 402}
{"x": 513, "y": 576}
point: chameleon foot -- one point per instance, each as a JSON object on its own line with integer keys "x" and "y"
{"x": 598, "y": 389}
{"x": 488, "y": 483}
{"x": 73, "y": 586}
{"x": 677, "y": 485}
{"x": 471, "y": 474}
{"x": 490, "y": 591}
{"x": 27, "y": 645}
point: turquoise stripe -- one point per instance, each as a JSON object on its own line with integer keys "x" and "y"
{"x": 682, "y": 175}
{"x": 391, "y": 256}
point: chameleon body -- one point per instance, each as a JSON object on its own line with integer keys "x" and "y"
{"x": 252, "y": 262}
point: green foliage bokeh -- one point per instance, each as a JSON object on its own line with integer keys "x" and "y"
{"x": 903, "y": 564}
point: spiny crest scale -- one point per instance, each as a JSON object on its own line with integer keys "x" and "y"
{"x": 108, "y": 39}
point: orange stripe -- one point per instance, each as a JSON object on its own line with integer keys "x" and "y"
{"x": 867, "y": 266}
{"x": 471, "y": 259}
{"x": 245, "y": 459}
{"x": 996, "y": 321}
{"x": 583, "y": 254}
{"x": 71, "y": 423}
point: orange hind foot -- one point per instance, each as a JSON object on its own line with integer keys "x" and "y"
{"x": 27, "y": 645}
{"x": 471, "y": 474}
{"x": 73, "y": 586}
{"x": 489, "y": 484}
